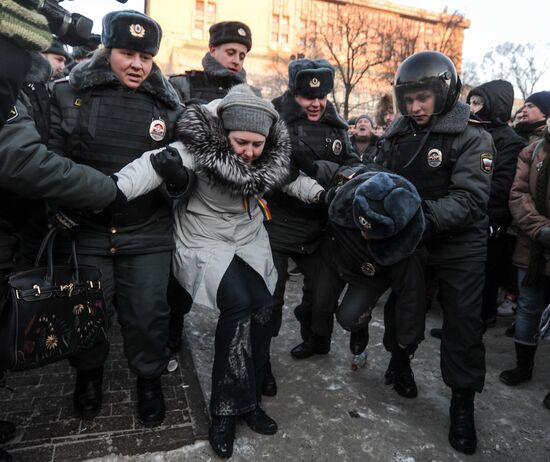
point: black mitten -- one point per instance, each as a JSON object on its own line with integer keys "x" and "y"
{"x": 544, "y": 236}
{"x": 167, "y": 163}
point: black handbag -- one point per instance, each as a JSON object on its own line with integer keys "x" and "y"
{"x": 51, "y": 312}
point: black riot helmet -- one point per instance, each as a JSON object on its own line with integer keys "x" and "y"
{"x": 428, "y": 70}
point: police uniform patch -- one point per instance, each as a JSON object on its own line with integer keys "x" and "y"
{"x": 137, "y": 30}
{"x": 337, "y": 147}
{"x": 368, "y": 269}
{"x": 435, "y": 158}
{"x": 314, "y": 82}
{"x": 157, "y": 129}
{"x": 486, "y": 162}
{"x": 12, "y": 114}
{"x": 77, "y": 102}
{"x": 241, "y": 32}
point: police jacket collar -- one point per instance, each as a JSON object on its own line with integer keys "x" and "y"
{"x": 96, "y": 72}
{"x": 452, "y": 122}
{"x": 291, "y": 111}
{"x": 215, "y": 70}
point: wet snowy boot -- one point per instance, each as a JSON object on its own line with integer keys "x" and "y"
{"x": 88, "y": 393}
{"x": 462, "y": 434}
{"x": 260, "y": 422}
{"x": 221, "y": 435}
{"x": 358, "y": 341}
{"x": 269, "y": 386}
{"x": 151, "y": 407}
{"x": 314, "y": 345}
{"x": 402, "y": 375}
{"x": 525, "y": 358}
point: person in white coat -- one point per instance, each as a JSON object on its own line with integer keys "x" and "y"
{"x": 236, "y": 149}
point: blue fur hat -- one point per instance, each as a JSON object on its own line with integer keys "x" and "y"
{"x": 311, "y": 78}
{"x": 386, "y": 208}
{"x": 131, "y": 30}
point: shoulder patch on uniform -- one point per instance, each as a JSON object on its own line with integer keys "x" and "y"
{"x": 77, "y": 102}
{"x": 486, "y": 162}
{"x": 12, "y": 114}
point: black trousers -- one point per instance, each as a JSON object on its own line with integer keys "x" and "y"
{"x": 462, "y": 350}
{"x": 241, "y": 345}
{"x": 499, "y": 271}
{"x": 308, "y": 264}
{"x": 406, "y": 279}
{"x": 180, "y": 303}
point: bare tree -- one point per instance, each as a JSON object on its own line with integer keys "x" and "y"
{"x": 518, "y": 63}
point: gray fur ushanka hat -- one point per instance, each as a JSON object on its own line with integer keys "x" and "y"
{"x": 386, "y": 208}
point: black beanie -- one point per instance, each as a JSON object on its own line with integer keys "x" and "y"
{"x": 131, "y": 30}
{"x": 57, "y": 48}
{"x": 541, "y": 100}
{"x": 230, "y": 32}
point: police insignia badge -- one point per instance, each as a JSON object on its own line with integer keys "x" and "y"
{"x": 337, "y": 147}
{"x": 435, "y": 158}
{"x": 137, "y": 30}
{"x": 364, "y": 223}
{"x": 315, "y": 83}
{"x": 77, "y": 102}
{"x": 12, "y": 114}
{"x": 241, "y": 32}
{"x": 486, "y": 162}
{"x": 157, "y": 129}
{"x": 538, "y": 166}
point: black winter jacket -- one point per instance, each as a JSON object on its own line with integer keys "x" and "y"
{"x": 499, "y": 99}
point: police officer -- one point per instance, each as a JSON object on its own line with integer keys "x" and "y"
{"x": 449, "y": 160}
{"x": 230, "y": 42}
{"x": 317, "y": 133}
{"x": 29, "y": 172}
{"x": 109, "y": 111}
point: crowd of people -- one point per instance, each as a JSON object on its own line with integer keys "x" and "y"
{"x": 194, "y": 189}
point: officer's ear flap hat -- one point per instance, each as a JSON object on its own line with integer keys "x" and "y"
{"x": 386, "y": 208}
{"x": 230, "y": 32}
{"x": 310, "y": 78}
{"x": 131, "y": 30}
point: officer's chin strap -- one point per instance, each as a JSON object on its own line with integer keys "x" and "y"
{"x": 423, "y": 142}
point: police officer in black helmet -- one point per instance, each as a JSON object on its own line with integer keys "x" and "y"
{"x": 435, "y": 145}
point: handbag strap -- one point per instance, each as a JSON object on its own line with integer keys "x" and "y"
{"x": 47, "y": 246}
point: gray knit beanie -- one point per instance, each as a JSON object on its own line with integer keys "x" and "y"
{"x": 242, "y": 110}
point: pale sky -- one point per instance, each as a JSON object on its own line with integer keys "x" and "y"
{"x": 492, "y": 22}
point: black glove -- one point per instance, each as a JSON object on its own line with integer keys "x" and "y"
{"x": 544, "y": 236}
{"x": 325, "y": 197}
{"x": 167, "y": 163}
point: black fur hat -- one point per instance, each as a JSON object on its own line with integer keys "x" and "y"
{"x": 131, "y": 30}
{"x": 58, "y": 48}
{"x": 386, "y": 208}
{"x": 311, "y": 78}
{"x": 230, "y": 32}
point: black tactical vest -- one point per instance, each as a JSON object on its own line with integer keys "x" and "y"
{"x": 112, "y": 131}
{"x": 205, "y": 89}
{"x": 40, "y": 101}
{"x": 431, "y": 169}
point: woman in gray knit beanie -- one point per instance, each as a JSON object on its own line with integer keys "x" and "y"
{"x": 236, "y": 149}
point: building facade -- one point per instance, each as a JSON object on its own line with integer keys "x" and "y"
{"x": 383, "y": 32}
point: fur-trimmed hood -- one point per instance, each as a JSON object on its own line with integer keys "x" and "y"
{"x": 97, "y": 72}
{"x": 453, "y": 122}
{"x": 40, "y": 69}
{"x": 205, "y": 139}
{"x": 291, "y": 111}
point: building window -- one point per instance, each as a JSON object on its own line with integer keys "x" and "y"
{"x": 280, "y": 29}
{"x": 205, "y": 16}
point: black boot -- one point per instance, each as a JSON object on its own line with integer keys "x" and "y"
{"x": 7, "y": 431}
{"x": 222, "y": 435}
{"x": 151, "y": 407}
{"x": 5, "y": 456}
{"x": 260, "y": 422}
{"x": 525, "y": 357}
{"x": 269, "y": 387}
{"x": 402, "y": 376}
{"x": 315, "y": 344}
{"x": 546, "y": 401}
{"x": 304, "y": 318}
{"x": 358, "y": 341}
{"x": 88, "y": 393}
{"x": 462, "y": 434}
